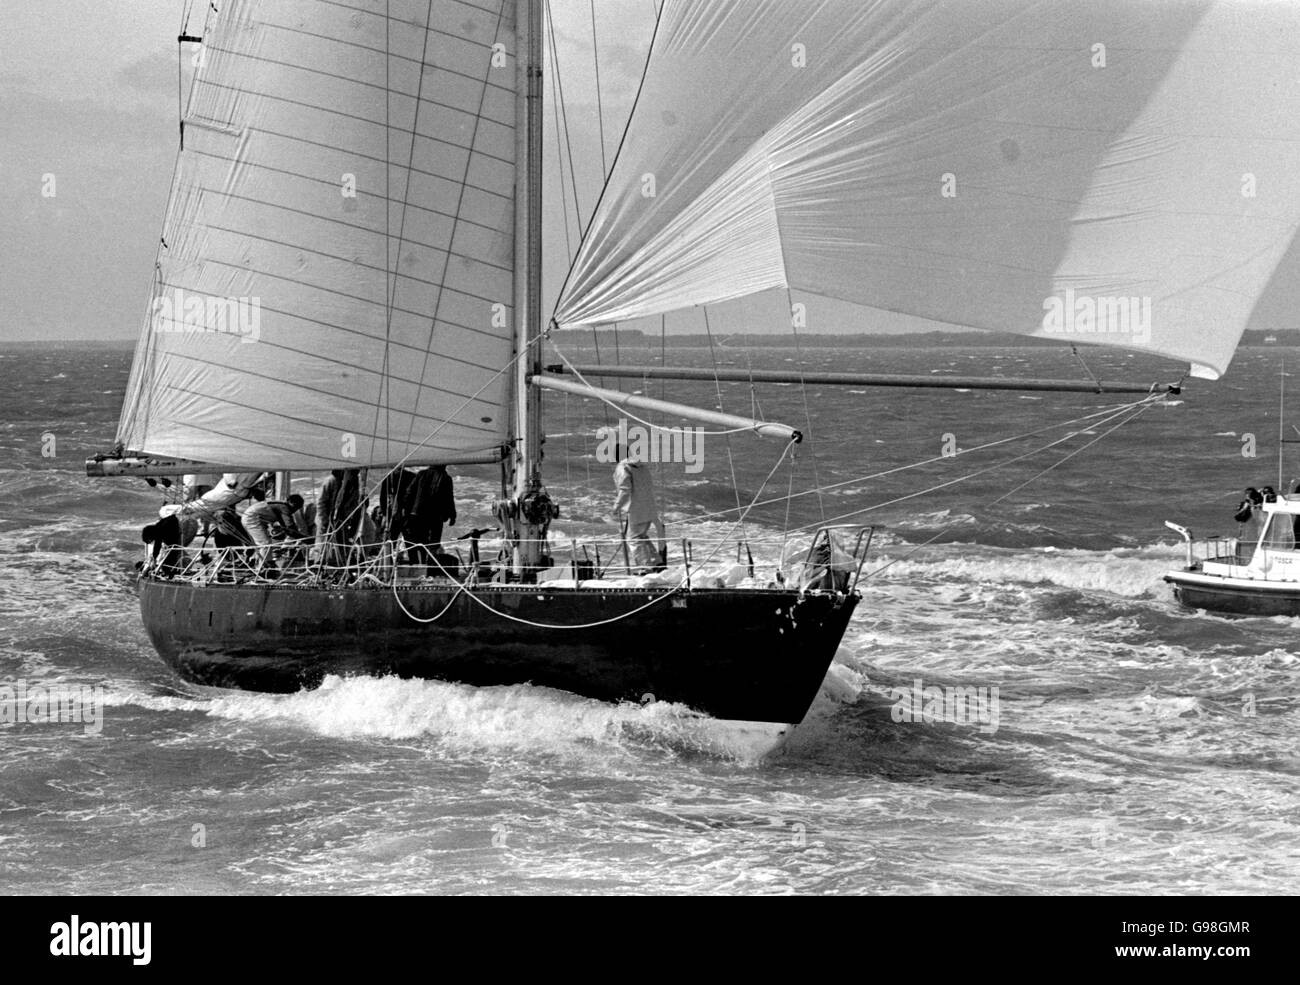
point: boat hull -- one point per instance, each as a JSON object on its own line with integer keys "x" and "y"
{"x": 1235, "y": 596}
{"x": 746, "y": 654}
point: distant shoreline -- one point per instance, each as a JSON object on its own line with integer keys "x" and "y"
{"x": 632, "y": 338}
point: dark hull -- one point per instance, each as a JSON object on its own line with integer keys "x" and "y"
{"x": 1232, "y": 600}
{"x": 743, "y": 654}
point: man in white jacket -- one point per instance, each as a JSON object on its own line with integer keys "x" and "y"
{"x": 637, "y": 511}
{"x": 234, "y": 487}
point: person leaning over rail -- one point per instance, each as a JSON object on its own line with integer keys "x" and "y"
{"x": 234, "y": 487}
{"x": 164, "y": 541}
{"x": 272, "y": 523}
{"x": 179, "y": 523}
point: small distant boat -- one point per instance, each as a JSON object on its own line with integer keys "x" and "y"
{"x": 1227, "y": 576}
{"x": 1270, "y": 340}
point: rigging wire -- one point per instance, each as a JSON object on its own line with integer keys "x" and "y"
{"x": 600, "y": 110}
{"x": 731, "y": 462}
{"x": 455, "y": 222}
{"x": 627, "y": 127}
{"x": 807, "y": 411}
{"x": 789, "y": 501}
{"x": 390, "y": 277}
{"x": 1091, "y": 375}
{"x": 559, "y": 156}
{"x": 1137, "y": 411}
{"x": 626, "y": 615}
{"x": 663, "y": 353}
{"x": 568, "y": 438}
{"x": 1106, "y": 414}
{"x": 562, "y": 116}
{"x": 401, "y": 464}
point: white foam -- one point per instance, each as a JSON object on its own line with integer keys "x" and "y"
{"x": 512, "y": 718}
{"x": 1132, "y": 573}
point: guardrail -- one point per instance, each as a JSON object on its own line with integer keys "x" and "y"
{"x": 1215, "y": 548}
{"x": 832, "y": 561}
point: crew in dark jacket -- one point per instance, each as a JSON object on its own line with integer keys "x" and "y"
{"x": 428, "y": 502}
{"x": 394, "y": 492}
{"x": 338, "y": 513}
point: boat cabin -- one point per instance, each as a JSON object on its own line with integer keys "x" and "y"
{"x": 1274, "y": 554}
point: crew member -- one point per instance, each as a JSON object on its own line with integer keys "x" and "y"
{"x": 429, "y": 502}
{"x": 338, "y": 512}
{"x": 637, "y": 511}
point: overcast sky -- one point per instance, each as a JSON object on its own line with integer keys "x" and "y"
{"x": 88, "y": 94}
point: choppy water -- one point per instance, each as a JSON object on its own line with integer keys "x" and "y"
{"x": 1139, "y": 748}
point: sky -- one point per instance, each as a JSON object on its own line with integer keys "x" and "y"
{"x": 88, "y": 94}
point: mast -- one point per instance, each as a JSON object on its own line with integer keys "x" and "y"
{"x": 531, "y": 511}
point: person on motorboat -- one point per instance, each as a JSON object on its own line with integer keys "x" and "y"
{"x": 1249, "y": 517}
{"x": 1246, "y": 508}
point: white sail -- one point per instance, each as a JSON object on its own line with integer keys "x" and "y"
{"x": 336, "y": 287}
{"x": 1122, "y": 172}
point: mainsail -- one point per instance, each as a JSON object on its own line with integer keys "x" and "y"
{"x": 1118, "y": 171}
{"x": 336, "y": 282}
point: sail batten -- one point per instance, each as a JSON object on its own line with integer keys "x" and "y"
{"x": 1120, "y": 173}
{"x": 337, "y": 278}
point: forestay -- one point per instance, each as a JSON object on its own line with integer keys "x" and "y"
{"x": 1118, "y": 171}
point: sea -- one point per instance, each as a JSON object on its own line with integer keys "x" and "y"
{"x": 1137, "y": 747}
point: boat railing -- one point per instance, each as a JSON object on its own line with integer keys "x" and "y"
{"x": 833, "y": 562}
{"x": 1214, "y": 549}
{"x": 836, "y": 556}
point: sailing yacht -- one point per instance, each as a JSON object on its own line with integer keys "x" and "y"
{"x": 350, "y": 278}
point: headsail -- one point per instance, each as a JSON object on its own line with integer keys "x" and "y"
{"x": 1119, "y": 172}
{"x": 336, "y": 285}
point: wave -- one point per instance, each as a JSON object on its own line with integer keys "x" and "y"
{"x": 461, "y": 719}
{"x": 1133, "y": 573}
